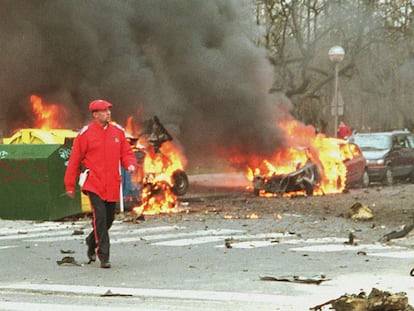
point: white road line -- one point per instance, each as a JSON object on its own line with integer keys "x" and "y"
{"x": 176, "y": 235}
{"x": 343, "y": 247}
{"x": 114, "y": 234}
{"x": 193, "y": 241}
{"x": 8, "y": 246}
{"x": 22, "y": 306}
{"x": 143, "y": 292}
{"x": 216, "y": 238}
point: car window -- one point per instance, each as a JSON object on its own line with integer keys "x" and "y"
{"x": 374, "y": 141}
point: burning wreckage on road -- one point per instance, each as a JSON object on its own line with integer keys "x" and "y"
{"x": 161, "y": 178}
{"x": 304, "y": 179}
{"x": 324, "y": 165}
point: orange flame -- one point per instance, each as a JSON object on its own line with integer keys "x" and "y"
{"x": 158, "y": 169}
{"x": 305, "y": 144}
{"x": 48, "y": 116}
{"x": 157, "y": 201}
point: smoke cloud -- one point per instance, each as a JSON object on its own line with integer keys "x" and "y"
{"x": 190, "y": 62}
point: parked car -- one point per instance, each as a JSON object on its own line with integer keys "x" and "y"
{"x": 308, "y": 177}
{"x": 389, "y": 155}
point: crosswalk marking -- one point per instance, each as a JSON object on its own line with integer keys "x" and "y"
{"x": 179, "y": 236}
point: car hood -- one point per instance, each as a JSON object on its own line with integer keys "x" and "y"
{"x": 374, "y": 154}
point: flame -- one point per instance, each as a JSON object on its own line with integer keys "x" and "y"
{"x": 304, "y": 144}
{"x": 157, "y": 199}
{"x": 158, "y": 167}
{"x": 252, "y": 216}
{"x": 47, "y": 116}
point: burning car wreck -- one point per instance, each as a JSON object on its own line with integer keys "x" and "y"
{"x": 160, "y": 177}
{"x": 304, "y": 179}
{"x": 325, "y": 165}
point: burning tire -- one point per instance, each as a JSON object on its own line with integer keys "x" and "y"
{"x": 180, "y": 182}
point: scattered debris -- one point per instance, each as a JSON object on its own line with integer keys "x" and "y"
{"x": 67, "y": 251}
{"x": 376, "y": 300}
{"x": 297, "y": 279}
{"x": 68, "y": 260}
{"x": 78, "y": 232}
{"x": 397, "y": 234}
{"x": 109, "y": 293}
{"x": 227, "y": 242}
{"x": 359, "y": 211}
{"x": 351, "y": 239}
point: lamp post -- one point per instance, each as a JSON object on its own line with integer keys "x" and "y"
{"x": 336, "y": 55}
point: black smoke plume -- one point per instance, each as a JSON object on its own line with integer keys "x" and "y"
{"x": 190, "y": 62}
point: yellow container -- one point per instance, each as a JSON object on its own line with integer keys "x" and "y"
{"x": 37, "y": 136}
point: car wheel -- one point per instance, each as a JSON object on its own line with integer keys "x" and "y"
{"x": 388, "y": 178}
{"x": 180, "y": 182}
{"x": 365, "y": 180}
{"x": 308, "y": 188}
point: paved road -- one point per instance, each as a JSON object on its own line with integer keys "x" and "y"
{"x": 194, "y": 262}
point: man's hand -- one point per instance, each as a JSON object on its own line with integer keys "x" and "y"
{"x": 131, "y": 169}
{"x": 70, "y": 194}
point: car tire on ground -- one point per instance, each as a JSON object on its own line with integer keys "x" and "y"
{"x": 308, "y": 188}
{"x": 365, "y": 180}
{"x": 180, "y": 182}
{"x": 388, "y": 177}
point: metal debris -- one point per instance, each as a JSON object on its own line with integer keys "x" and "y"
{"x": 67, "y": 251}
{"x": 78, "y": 232}
{"x": 375, "y": 301}
{"x": 228, "y": 242}
{"x": 397, "y": 234}
{"x": 68, "y": 260}
{"x": 318, "y": 279}
{"x": 109, "y": 293}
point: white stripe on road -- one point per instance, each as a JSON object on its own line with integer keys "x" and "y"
{"x": 143, "y": 292}
{"x": 113, "y": 233}
{"x": 8, "y": 246}
{"x": 215, "y": 238}
{"x": 24, "y": 306}
{"x": 344, "y": 247}
{"x": 213, "y": 233}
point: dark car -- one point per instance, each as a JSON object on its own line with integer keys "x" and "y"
{"x": 389, "y": 155}
{"x": 308, "y": 177}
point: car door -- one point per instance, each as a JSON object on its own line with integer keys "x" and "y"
{"x": 403, "y": 156}
{"x": 354, "y": 161}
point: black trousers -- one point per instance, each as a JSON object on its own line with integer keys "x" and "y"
{"x": 103, "y": 213}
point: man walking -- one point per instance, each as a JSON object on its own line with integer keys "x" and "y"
{"x": 97, "y": 153}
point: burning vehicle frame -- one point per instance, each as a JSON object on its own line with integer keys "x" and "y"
{"x": 147, "y": 183}
{"x": 308, "y": 172}
{"x": 305, "y": 179}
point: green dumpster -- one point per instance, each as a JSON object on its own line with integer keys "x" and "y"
{"x": 31, "y": 182}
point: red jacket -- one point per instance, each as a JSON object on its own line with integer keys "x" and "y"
{"x": 101, "y": 151}
{"x": 344, "y": 131}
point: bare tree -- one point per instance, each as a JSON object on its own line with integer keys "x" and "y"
{"x": 376, "y": 36}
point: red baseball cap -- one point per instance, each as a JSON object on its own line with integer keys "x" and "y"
{"x": 99, "y": 104}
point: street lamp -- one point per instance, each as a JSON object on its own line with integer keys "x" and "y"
{"x": 336, "y": 55}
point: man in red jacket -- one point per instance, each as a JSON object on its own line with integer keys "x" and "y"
{"x": 98, "y": 151}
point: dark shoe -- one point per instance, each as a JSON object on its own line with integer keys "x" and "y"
{"x": 105, "y": 264}
{"x": 91, "y": 253}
